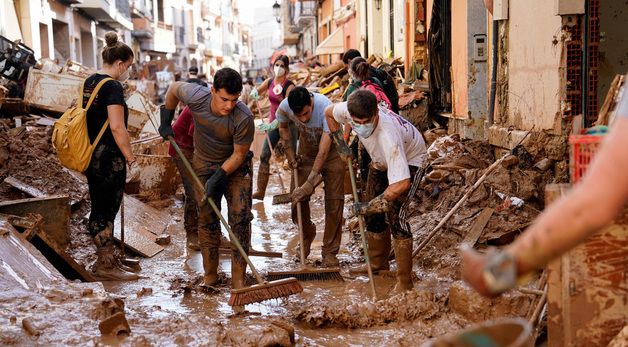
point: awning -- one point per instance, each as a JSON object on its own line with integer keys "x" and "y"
{"x": 333, "y": 44}
{"x": 12, "y": 28}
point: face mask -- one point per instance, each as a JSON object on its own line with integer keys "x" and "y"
{"x": 124, "y": 76}
{"x": 279, "y": 71}
{"x": 363, "y": 130}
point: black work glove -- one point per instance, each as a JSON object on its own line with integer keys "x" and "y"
{"x": 341, "y": 145}
{"x": 165, "y": 128}
{"x": 215, "y": 181}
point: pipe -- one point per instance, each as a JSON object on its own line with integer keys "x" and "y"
{"x": 491, "y": 103}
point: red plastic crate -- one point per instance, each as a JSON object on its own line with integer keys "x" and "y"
{"x": 583, "y": 149}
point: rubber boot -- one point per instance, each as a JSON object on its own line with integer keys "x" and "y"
{"x": 262, "y": 181}
{"x": 403, "y": 254}
{"x": 309, "y": 234}
{"x": 106, "y": 266}
{"x": 330, "y": 261}
{"x": 191, "y": 240}
{"x": 379, "y": 251}
{"x": 210, "y": 267}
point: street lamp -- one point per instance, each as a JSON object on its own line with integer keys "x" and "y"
{"x": 277, "y": 11}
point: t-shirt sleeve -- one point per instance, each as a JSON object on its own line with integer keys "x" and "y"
{"x": 194, "y": 96}
{"x": 323, "y": 104}
{"x": 396, "y": 161}
{"x": 622, "y": 106}
{"x": 111, "y": 93}
{"x": 341, "y": 113}
{"x": 245, "y": 128}
{"x": 285, "y": 110}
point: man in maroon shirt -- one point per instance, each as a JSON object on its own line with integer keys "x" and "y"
{"x": 183, "y": 129}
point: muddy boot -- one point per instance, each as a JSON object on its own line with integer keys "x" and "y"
{"x": 191, "y": 240}
{"x": 379, "y": 251}
{"x": 330, "y": 260}
{"x": 403, "y": 254}
{"x": 106, "y": 266}
{"x": 210, "y": 267}
{"x": 238, "y": 273}
{"x": 262, "y": 181}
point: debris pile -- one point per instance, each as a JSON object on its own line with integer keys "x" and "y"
{"x": 408, "y": 306}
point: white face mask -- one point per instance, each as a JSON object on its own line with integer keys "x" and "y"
{"x": 363, "y": 130}
{"x": 123, "y": 76}
{"x": 279, "y": 71}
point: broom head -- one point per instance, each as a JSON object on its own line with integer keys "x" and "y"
{"x": 332, "y": 274}
{"x": 265, "y": 291}
{"x": 280, "y": 199}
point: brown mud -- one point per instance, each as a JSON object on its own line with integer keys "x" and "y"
{"x": 169, "y": 307}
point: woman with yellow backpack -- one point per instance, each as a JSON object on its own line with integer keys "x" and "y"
{"x": 107, "y": 116}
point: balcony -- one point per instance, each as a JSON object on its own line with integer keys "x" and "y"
{"x": 305, "y": 12}
{"x": 113, "y": 12}
{"x": 141, "y": 9}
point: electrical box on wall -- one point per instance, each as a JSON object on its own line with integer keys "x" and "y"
{"x": 479, "y": 47}
{"x": 567, "y": 7}
{"x": 500, "y": 9}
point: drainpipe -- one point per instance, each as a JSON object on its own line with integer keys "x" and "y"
{"x": 366, "y": 29}
{"x": 491, "y": 106}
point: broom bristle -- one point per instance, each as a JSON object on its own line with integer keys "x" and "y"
{"x": 307, "y": 275}
{"x": 265, "y": 291}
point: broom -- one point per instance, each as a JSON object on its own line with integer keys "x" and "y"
{"x": 362, "y": 230}
{"x": 262, "y": 290}
{"x": 305, "y": 274}
{"x": 284, "y": 197}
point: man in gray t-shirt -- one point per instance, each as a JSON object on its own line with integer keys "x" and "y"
{"x": 223, "y": 133}
{"x": 317, "y": 157}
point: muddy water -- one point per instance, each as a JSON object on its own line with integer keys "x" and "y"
{"x": 174, "y": 274}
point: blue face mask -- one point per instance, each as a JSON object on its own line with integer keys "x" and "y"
{"x": 363, "y": 130}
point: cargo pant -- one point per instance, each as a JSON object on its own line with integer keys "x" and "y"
{"x": 190, "y": 214}
{"x": 237, "y": 190}
{"x": 376, "y": 184}
{"x": 333, "y": 173}
{"x": 106, "y": 178}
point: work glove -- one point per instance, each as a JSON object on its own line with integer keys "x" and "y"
{"x": 165, "y": 128}
{"x": 214, "y": 182}
{"x": 377, "y": 205}
{"x": 341, "y": 145}
{"x": 293, "y": 161}
{"x": 269, "y": 126}
{"x": 307, "y": 188}
{"x": 254, "y": 95}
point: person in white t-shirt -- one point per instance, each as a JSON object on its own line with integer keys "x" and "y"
{"x": 398, "y": 154}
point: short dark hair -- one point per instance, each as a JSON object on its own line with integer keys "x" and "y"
{"x": 229, "y": 80}
{"x": 350, "y": 54}
{"x": 193, "y": 70}
{"x": 298, "y": 98}
{"x": 115, "y": 49}
{"x": 362, "y": 104}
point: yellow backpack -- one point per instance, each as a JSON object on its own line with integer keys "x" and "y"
{"x": 70, "y": 137}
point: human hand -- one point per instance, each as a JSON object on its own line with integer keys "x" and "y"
{"x": 269, "y": 126}
{"x": 165, "y": 126}
{"x": 302, "y": 192}
{"x": 215, "y": 181}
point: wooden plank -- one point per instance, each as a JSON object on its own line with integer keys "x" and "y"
{"x": 478, "y": 227}
{"x": 30, "y": 190}
{"x": 21, "y": 263}
{"x": 54, "y": 209}
{"x": 142, "y": 224}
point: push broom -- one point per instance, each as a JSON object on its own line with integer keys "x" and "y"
{"x": 305, "y": 273}
{"x": 261, "y": 291}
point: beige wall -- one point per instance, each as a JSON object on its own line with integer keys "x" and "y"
{"x": 533, "y": 66}
{"x": 459, "y": 58}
